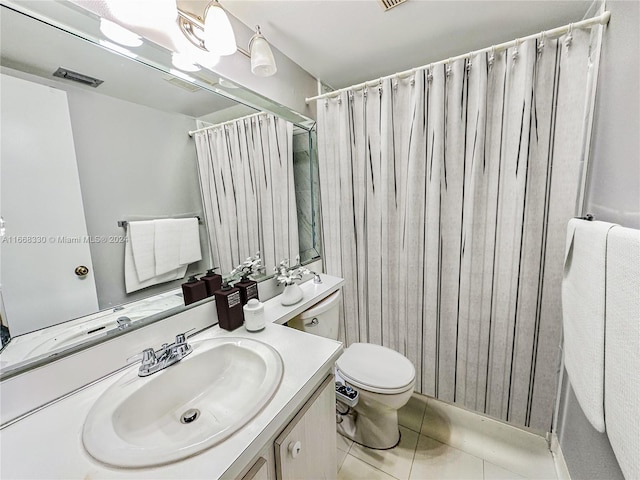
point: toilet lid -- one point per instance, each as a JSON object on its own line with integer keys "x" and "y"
{"x": 376, "y": 369}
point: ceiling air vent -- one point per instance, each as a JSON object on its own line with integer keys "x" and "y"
{"x": 389, "y": 4}
{"x": 77, "y": 77}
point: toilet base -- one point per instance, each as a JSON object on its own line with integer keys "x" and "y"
{"x": 379, "y": 432}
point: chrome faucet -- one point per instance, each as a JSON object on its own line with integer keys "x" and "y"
{"x": 153, "y": 361}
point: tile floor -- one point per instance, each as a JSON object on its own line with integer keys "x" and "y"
{"x": 419, "y": 456}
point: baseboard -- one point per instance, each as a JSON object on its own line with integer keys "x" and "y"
{"x": 558, "y": 459}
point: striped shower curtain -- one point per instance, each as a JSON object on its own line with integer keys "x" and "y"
{"x": 445, "y": 197}
{"x": 246, "y": 179}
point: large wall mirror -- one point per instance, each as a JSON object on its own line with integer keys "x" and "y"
{"x": 113, "y": 153}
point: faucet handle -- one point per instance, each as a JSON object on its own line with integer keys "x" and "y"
{"x": 181, "y": 338}
{"x": 148, "y": 357}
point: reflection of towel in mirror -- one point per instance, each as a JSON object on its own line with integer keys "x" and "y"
{"x": 132, "y": 281}
{"x": 177, "y": 243}
{"x": 141, "y": 237}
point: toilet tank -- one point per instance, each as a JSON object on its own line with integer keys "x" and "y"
{"x": 321, "y": 319}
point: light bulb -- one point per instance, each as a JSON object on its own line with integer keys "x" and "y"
{"x": 218, "y": 34}
{"x": 119, "y": 34}
{"x": 262, "y": 62}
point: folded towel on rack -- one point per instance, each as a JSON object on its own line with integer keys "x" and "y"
{"x": 190, "y": 241}
{"x": 141, "y": 237}
{"x": 583, "y": 300}
{"x": 622, "y": 349}
{"x": 167, "y": 244}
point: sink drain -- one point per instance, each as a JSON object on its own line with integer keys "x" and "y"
{"x": 190, "y": 415}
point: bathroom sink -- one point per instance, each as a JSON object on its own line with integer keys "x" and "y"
{"x": 185, "y": 408}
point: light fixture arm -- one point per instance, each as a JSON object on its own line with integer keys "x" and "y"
{"x": 190, "y": 24}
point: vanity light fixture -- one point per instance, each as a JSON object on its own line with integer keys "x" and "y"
{"x": 262, "y": 62}
{"x": 214, "y": 35}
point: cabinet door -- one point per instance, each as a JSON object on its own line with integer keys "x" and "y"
{"x": 259, "y": 471}
{"x": 306, "y": 449}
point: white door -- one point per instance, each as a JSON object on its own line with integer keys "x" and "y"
{"x": 46, "y": 233}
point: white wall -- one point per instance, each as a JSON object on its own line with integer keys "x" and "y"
{"x": 613, "y": 195}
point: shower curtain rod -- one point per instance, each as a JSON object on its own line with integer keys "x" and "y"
{"x": 192, "y": 132}
{"x": 601, "y": 19}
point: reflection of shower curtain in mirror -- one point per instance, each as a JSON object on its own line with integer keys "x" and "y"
{"x": 246, "y": 177}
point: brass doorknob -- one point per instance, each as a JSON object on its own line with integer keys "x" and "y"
{"x": 81, "y": 271}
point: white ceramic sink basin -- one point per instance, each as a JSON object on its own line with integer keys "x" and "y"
{"x": 140, "y": 422}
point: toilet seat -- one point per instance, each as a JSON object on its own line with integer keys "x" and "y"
{"x": 376, "y": 369}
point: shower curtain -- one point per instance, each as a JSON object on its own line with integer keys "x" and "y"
{"x": 445, "y": 197}
{"x": 246, "y": 179}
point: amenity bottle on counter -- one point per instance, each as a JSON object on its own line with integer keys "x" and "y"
{"x": 253, "y": 315}
{"x": 194, "y": 290}
{"x": 248, "y": 289}
{"x": 229, "y": 307}
{"x": 213, "y": 281}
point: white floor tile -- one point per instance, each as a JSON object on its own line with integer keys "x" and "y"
{"x": 343, "y": 443}
{"x": 340, "y": 457}
{"x": 435, "y": 460}
{"x": 411, "y": 414}
{"x": 494, "y": 472}
{"x": 511, "y": 448}
{"x": 396, "y": 461}
{"x": 354, "y": 469}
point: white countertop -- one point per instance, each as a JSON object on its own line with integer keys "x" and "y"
{"x": 48, "y": 444}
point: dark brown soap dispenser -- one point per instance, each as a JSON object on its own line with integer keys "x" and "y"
{"x": 213, "y": 281}
{"x": 229, "y": 307}
{"x": 194, "y": 290}
{"x": 248, "y": 289}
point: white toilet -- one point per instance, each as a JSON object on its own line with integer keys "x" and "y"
{"x": 383, "y": 377}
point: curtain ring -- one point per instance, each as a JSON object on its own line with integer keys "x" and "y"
{"x": 326, "y": 103}
{"x": 492, "y": 56}
{"x": 543, "y": 35}
{"x": 449, "y": 69}
{"x": 569, "y": 38}
{"x": 413, "y": 81}
{"x": 364, "y": 91}
{"x": 468, "y": 61}
{"x": 516, "y": 52}
{"x": 430, "y": 73}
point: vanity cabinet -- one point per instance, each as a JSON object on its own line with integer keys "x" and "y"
{"x": 306, "y": 448}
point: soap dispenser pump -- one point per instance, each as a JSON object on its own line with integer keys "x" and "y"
{"x": 213, "y": 281}
{"x": 194, "y": 290}
{"x": 229, "y": 307}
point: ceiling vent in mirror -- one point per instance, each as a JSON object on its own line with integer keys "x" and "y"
{"x": 190, "y": 87}
{"x": 77, "y": 77}
{"x": 389, "y": 4}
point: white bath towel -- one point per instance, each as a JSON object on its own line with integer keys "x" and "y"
{"x": 622, "y": 348}
{"x": 168, "y": 237}
{"x": 132, "y": 281}
{"x": 190, "y": 241}
{"x": 583, "y": 300}
{"x": 141, "y": 238}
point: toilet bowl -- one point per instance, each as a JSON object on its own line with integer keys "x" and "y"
{"x": 383, "y": 378}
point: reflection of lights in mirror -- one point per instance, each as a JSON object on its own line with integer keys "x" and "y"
{"x": 183, "y": 62}
{"x": 118, "y": 48}
{"x": 161, "y": 14}
{"x": 119, "y": 34}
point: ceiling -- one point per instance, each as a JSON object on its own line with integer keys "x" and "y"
{"x": 347, "y": 42}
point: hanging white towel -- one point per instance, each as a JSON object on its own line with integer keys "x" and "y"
{"x": 622, "y": 348}
{"x": 141, "y": 236}
{"x": 168, "y": 237}
{"x": 190, "y": 241}
{"x": 132, "y": 281}
{"x": 583, "y": 300}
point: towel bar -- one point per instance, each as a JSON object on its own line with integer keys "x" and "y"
{"x": 124, "y": 223}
